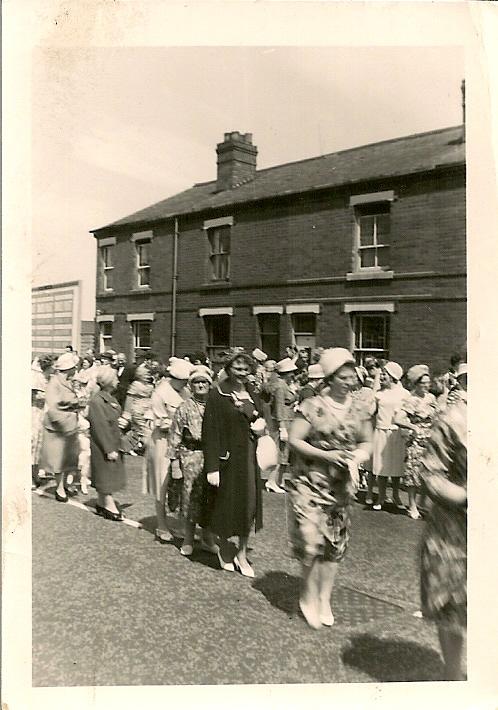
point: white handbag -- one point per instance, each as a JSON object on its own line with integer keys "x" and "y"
{"x": 266, "y": 453}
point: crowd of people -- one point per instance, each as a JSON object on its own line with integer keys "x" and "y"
{"x": 318, "y": 425}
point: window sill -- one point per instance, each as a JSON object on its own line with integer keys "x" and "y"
{"x": 140, "y": 289}
{"x": 213, "y": 285}
{"x": 369, "y": 275}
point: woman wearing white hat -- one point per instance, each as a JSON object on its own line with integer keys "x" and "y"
{"x": 60, "y": 448}
{"x": 416, "y": 417}
{"x": 388, "y": 443}
{"x": 169, "y": 393}
{"x": 185, "y": 449}
{"x": 283, "y": 399}
{"x": 331, "y": 436}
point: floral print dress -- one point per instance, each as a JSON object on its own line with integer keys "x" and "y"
{"x": 420, "y": 411}
{"x": 321, "y": 493}
{"x": 184, "y": 444}
{"x": 444, "y": 546}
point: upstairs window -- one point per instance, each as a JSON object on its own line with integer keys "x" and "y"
{"x": 107, "y": 258}
{"x": 142, "y": 249}
{"x": 373, "y": 223}
{"x": 219, "y": 252}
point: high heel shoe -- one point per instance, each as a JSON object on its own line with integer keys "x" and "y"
{"x": 227, "y": 566}
{"x": 244, "y": 568}
{"x": 273, "y": 487}
{"x": 61, "y": 499}
{"x": 187, "y": 550}
{"x": 71, "y": 491}
{"x": 327, "y": 617}
{"x": 109, "y": 514}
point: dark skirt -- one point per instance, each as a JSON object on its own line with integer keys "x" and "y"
{"x": 107, "y": 477}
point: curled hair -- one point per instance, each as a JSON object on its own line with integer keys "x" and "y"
{"x": 45, "y": 362}
{"x": 239, "y": 355}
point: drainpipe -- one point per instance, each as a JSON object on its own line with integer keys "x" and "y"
{"x": 174, "y": 283}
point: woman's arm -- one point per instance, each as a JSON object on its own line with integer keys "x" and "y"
{"x": 401, "y": 420}
{"x": 299, "y": 431}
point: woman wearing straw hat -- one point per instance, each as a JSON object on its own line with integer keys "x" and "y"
{"x": 416, "y": 417}
{"x": 106, "y": 458}
{"x": 185, "y": 449}
{"x": 169, "y": 393}
{"x": 388, "y": 444}
{"x": 331, "y": 436}
{"x": 60, "y": 448}
{"x": 232, "y": 423}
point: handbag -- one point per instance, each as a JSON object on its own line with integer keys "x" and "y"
{"x": 266, "y": 453}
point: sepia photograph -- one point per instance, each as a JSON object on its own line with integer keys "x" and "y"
{"x": 249, "y": 329}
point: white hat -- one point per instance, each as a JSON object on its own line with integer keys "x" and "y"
{"x": 286, "y": 365}
{"x": 334, "y": 358}
{"x": 393, "y": 369}
{"x": 259, "y": 355}
{"x": 315, "y": 372}
{"x": 201, "y": 372}
{"x": 180, "y": 369}
{"x": 66, "y": 362}
{"x": 461, "y": 370}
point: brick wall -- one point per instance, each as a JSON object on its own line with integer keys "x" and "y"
{"x": 300, "y": 249}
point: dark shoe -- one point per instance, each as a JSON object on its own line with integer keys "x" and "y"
{"x": 71, "y": 491}
{"x": 61, "y": 499}
{"x": 108, "y": 514}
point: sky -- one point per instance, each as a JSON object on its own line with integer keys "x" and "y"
{"x": 117, "y": 129}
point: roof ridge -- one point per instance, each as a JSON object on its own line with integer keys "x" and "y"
{"x": 360, "y": 147}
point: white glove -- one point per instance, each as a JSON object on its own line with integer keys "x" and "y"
{"x": 112, "y": 456}
{"x": 214, "y": 478}
{"x": 176, "y": 471}
{"x": 258, "y": 426}
{"x": 283, "y": 434}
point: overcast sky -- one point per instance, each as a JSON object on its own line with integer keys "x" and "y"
{"x": 115, "y": 130}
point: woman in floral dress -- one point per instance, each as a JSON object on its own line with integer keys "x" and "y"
{"x": 444, "y": 548}
{"x": 416, "y": 417}
{"x": 331, "y": 436}
{"x": 185, "y": 452}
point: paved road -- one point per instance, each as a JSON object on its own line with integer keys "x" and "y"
{"x": 113, "y": 607}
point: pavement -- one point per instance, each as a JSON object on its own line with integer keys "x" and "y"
{"x": 111, "y": 606}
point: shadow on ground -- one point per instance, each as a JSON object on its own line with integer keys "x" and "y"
{"x": 281, "y": 590}
{"x": 388, "y": 660}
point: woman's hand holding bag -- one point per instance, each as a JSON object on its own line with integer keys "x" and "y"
{"x": 214, "y": 478}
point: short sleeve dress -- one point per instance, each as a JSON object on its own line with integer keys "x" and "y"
{"x": 444, "y": 546}
{"x": 420, "y": 411}
{"x": 321, "y": 500}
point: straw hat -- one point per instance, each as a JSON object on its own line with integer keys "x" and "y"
{"x": 180, "y": 369}
{"x": 334, "y": 358}
{"x": 286, "y": 365}
{"x": 393, "y": 369}
{"x": 315, "y": 372}
{"x": 416, "y": 372}
{"x": 66, "y": 362}
{"x": 259, "y": 355}
{"x": 201, "y": 372}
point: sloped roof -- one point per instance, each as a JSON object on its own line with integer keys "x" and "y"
{"x": 399, "y": 156}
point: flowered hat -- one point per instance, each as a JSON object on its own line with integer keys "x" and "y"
{"x": 180, "y": 369}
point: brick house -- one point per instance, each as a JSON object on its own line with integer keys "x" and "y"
{"x": 364, "y": 248}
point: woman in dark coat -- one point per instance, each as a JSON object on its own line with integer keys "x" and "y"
{"x": 232, "y": 422}
{"x": 107, "y": 467}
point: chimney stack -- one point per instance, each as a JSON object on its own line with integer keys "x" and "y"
{"x": 236, "y": 160}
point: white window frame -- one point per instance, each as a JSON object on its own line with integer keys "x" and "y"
{"x": 357, "y": 318}
{"x": 142, "y": 269}
{"x": 106, "y": 269}
{"x": 105, "y": 340}
{"x": 135, "y": 326}
{"x": 208, "y": 226}
{"x": 360, "y": 205}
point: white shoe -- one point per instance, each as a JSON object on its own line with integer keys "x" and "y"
{"x": 186, "y": 550}
{"x": 227, "y": 566}
{"x": 244, "y": 568}
{"x": 377, "y": 506}
{"x": 273, "y": 487}
{"x": 326, "y": 617}
{"x": 311, "y": 615}
{"x": 414, "y": 515}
